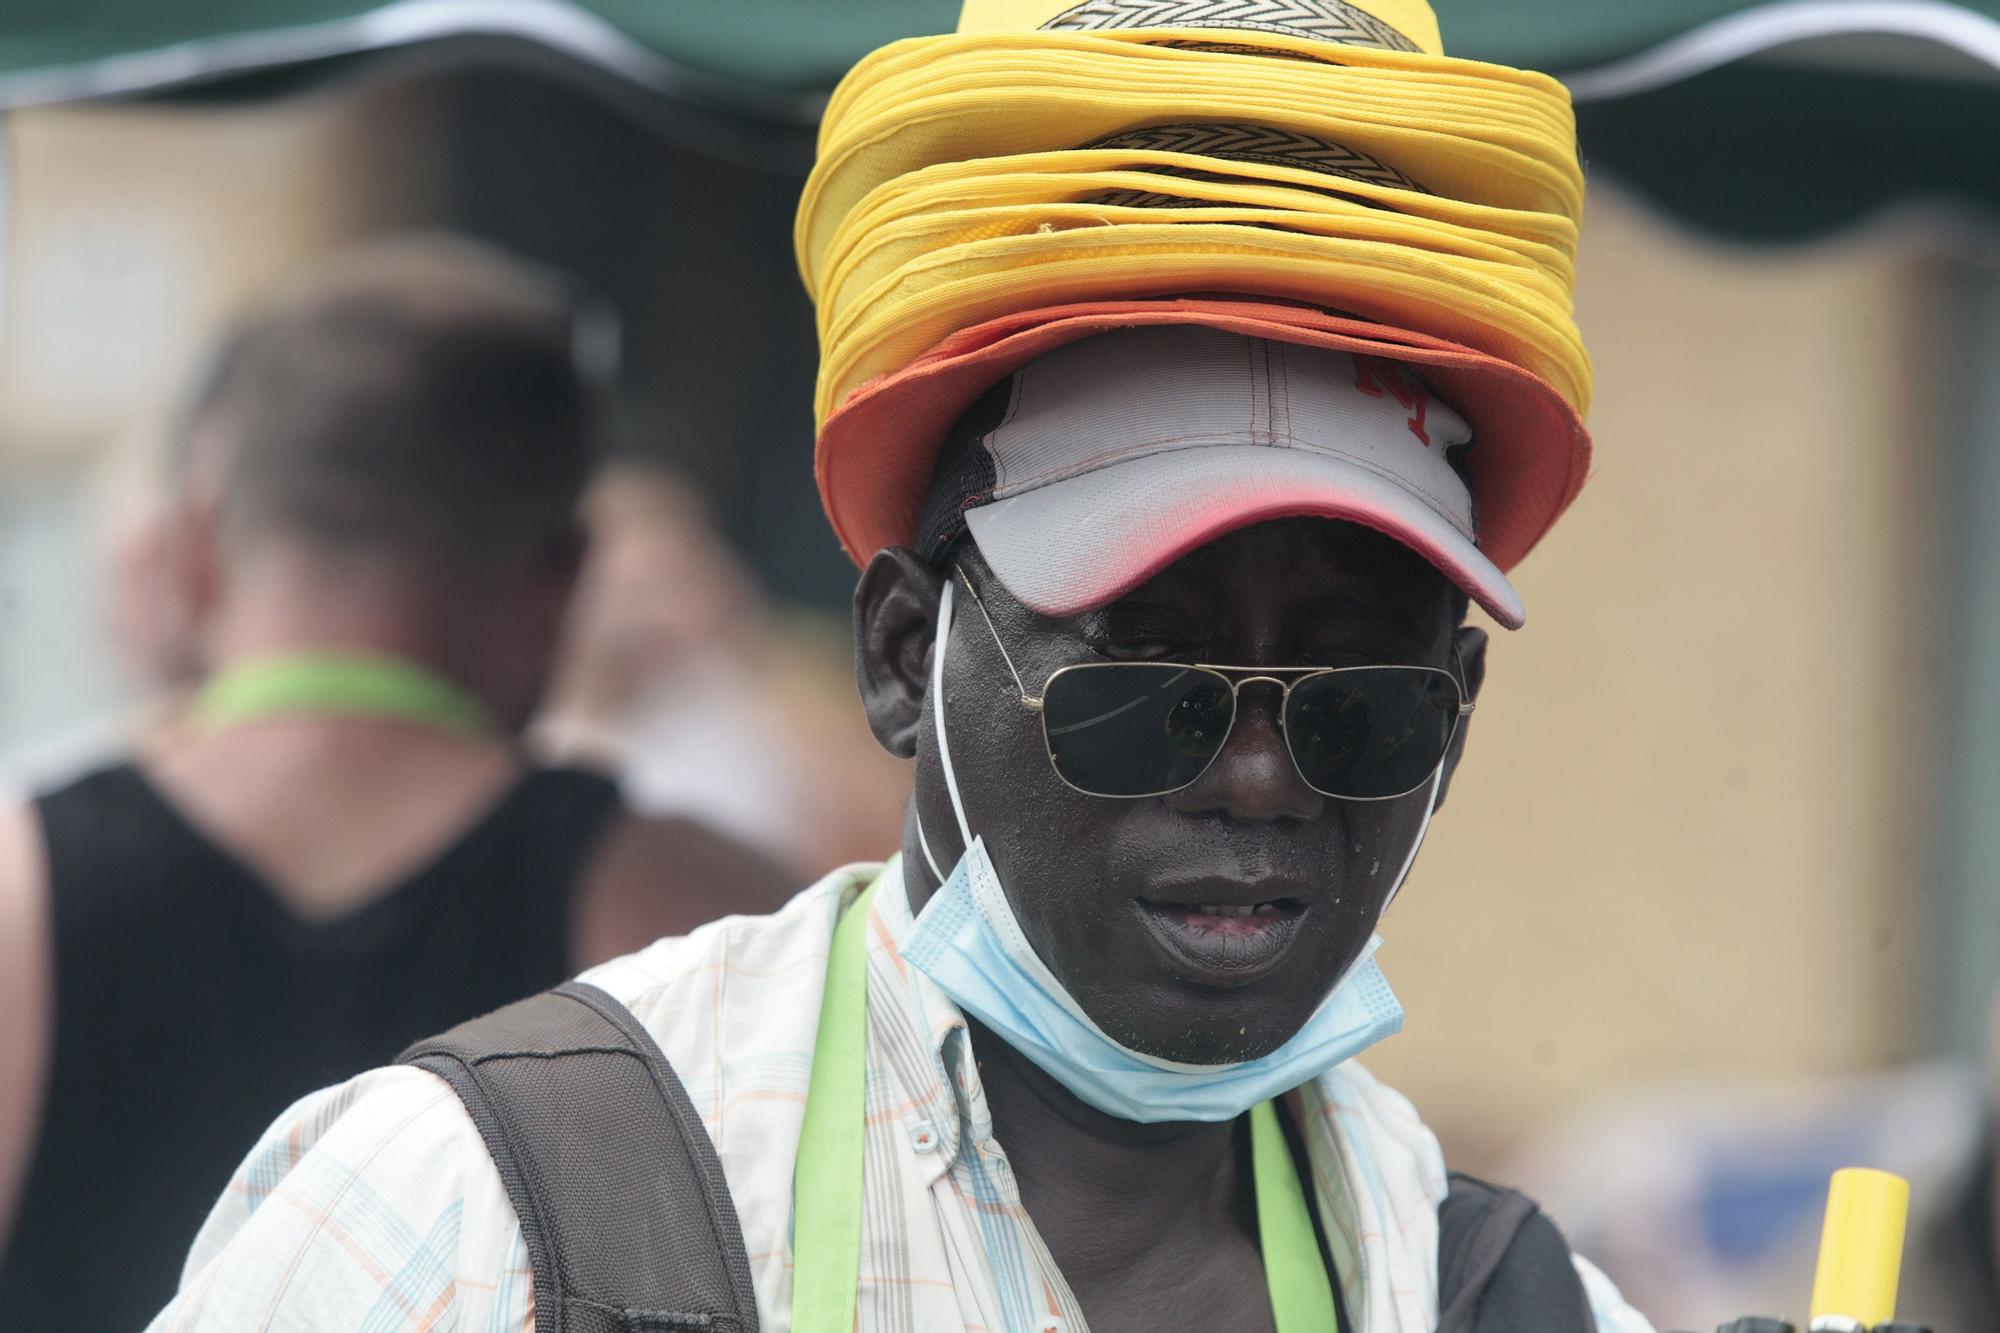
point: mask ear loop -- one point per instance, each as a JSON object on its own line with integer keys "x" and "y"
{"x": 1430, "y": 808}
{"x": 924, "y": 845}
{"x": 944, "y": 745}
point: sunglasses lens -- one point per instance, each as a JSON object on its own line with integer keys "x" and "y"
{"x": 1135, "y": 728}
{"x": 1372, "y": 731}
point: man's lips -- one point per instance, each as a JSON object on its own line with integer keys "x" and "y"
{"x": 1216, "y": 891}
{"x": 1217, "y": 920}
{"x": 1222, "y": 944}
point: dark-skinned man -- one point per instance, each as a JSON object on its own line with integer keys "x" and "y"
{"x": 1163, "y": 590}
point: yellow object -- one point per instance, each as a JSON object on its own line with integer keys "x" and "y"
{"x": 1861, "y": 1249}
{"x": 1054, "y": 151}
{"x": 1414, "y": 19}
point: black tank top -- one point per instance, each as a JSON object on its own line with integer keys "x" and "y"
{"x": 191, "y": 1007}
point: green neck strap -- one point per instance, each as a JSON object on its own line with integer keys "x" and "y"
{"x": 826, "y": 1187}
{"x": 1301, "y": 1292}
{"x": 335, "y": 684}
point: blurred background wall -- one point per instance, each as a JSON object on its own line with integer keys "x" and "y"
{"x": 1695, "y": 833}
{"x": 1727, "y": 813}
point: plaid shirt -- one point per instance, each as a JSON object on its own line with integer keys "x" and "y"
{"x": 373, "y": 1205}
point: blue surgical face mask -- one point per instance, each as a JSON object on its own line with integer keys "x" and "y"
{"x": 968, "y": 941}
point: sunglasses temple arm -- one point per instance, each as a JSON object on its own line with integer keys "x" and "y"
{"x": 1033, "y": 701}
{"x": 1466, "y": 703}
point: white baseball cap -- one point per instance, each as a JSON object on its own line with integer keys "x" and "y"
{"x": 1104, "y": 460}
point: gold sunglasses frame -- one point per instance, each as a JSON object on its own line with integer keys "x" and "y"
{"x": 1235, "y": 677}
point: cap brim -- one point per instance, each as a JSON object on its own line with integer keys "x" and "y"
{"x": 1089, "y": 539}
{"x": 876, "y": 452}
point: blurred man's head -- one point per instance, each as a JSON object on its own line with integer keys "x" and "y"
{"x": 389, "y": 458}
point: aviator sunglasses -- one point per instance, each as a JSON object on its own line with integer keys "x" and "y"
{"x": 1138, "y": 729}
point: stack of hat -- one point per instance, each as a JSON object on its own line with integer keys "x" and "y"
{"x": 1308, "y": 171}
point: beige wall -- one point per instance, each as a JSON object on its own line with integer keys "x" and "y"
{"x": 132, "y": 232}
{"x": 1686, "y": 838}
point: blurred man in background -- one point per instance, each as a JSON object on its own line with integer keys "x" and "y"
{"x": 339, "y": 846}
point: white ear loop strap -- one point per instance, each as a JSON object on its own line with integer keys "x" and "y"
{"x": 944, "y": 746}
{"x": 1430, "y": 808}
{"x": 937, "y": 712}
{"x": 924, "y": 845}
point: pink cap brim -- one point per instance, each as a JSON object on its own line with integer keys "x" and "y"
{"x": 1082, "y": 542}
{"x": 875, "y": 453}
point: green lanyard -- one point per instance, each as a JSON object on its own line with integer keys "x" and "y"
{"x": 339, "y": 684}
{"x": 826, "y": 1188}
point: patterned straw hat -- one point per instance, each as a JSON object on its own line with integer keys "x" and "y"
{"x": 1096, "y": 165}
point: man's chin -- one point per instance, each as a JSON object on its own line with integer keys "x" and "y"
{"x": 1229, "y": 1004}
{"x": 1203, "y": 1027}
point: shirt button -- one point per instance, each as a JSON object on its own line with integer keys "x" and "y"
{"x": 922, "y": 1137}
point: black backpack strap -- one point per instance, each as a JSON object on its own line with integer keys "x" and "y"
{"x": 623, "y": 1205}
{"x": 1503, "y": 1267}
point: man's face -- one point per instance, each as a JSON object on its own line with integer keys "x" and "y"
{"x": 1107, "y": 890}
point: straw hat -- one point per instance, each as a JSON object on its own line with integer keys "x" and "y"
{"x": 1082, "y": 166}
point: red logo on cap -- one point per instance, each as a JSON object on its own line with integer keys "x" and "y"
{"x": 1372, "y": 375}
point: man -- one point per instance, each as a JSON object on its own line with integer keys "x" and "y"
{"x": 1164, "y": 594}
{"x": 340, "y": 846}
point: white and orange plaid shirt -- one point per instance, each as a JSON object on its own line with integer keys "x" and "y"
{"x": 373, "y": 1206}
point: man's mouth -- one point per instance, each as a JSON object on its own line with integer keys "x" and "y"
{"x": 1223, "y": 944}
{"x": 1215, "y": 916}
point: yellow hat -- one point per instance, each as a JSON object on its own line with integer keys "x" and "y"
{"x": 1394, "y": 25}
{"x": 1324, "y": 151}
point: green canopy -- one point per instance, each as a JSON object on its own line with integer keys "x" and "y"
{"x": 1766, "y": 121}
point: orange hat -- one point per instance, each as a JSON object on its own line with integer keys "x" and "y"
{"x": 876, "y": 452}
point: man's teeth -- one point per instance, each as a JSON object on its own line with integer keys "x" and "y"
{"x": 1208, "y": 910}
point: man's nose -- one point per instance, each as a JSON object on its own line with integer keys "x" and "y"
{"x": 1253, "y": 780}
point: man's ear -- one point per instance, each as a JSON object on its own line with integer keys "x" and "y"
{"x": 895, "y": 626}
{"x": 193, "y": 574}
{"x": 1472, "y": 659}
